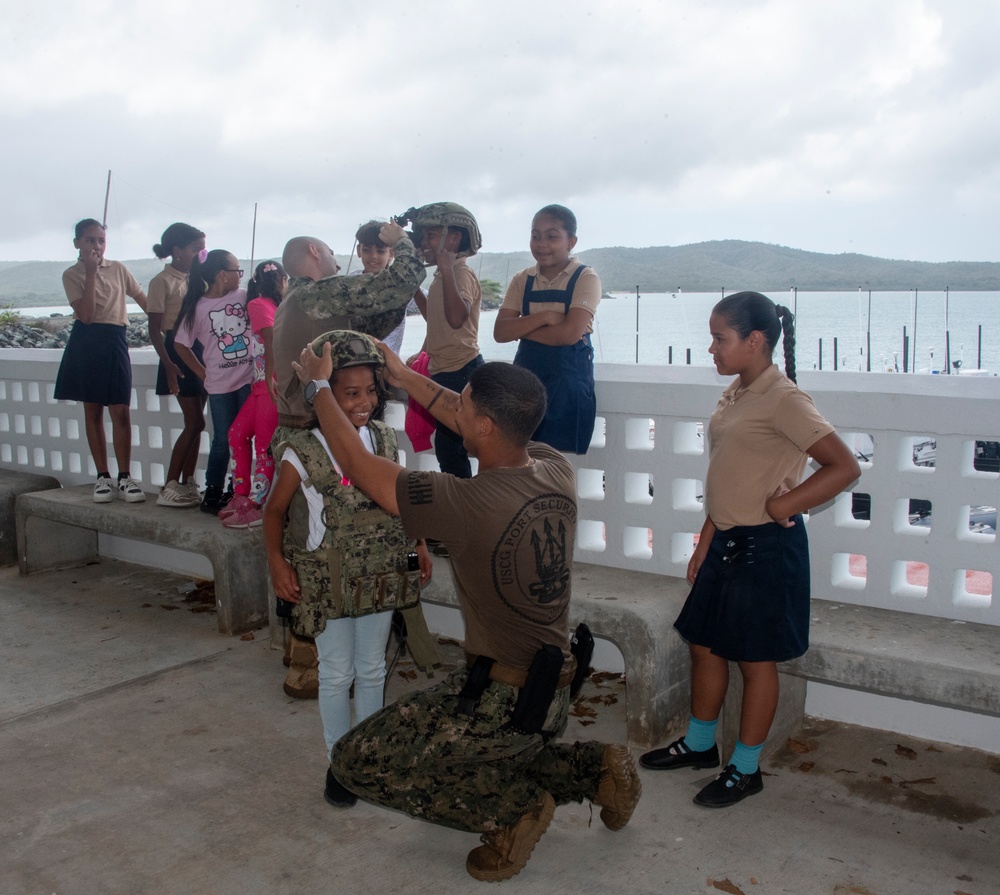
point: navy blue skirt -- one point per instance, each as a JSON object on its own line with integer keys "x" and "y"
{"x": 95, "y": 366}
{"x": 189, "y": 385}
{"x": 750, "y": 601}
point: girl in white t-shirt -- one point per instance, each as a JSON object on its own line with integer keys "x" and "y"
{"x": 214, "y": 315}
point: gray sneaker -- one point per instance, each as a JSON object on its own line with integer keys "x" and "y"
{"x": 104, "y": 490}
{"x": 190, "y": 490}
{"x": 175, "y": 494}
{"x": 129, "y": 490}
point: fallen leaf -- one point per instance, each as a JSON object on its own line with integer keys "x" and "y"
{"x": 799, "y": 746}
{"x": 906, "y": 752}
{"x": 807, "y": 765}
{"x": 964, "y": 878}
{"x": 886, "y": 779}
{"x": 599, "y": 677}
{"x": 844, "y": 771}
{"x": 923, "y": 781}
{"x": 168, "y": 607}
{"x": 724, "y": 885}
{"x": 933, "y": 748}
{"x": 247, "y": 636}
{"x": 880, "y": 761}
{"x": 583, "y": 711}
{"x": 585, "y": 723}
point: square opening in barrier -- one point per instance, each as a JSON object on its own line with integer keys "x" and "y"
{"x": 154, "y": 437}
{"x": 73, "y": 429}
{"x": 153, "y": 403}
{"x": 36, "y": 424}
{"x": 600, "y": 437}
{"x": 34, "y": 393}
{"x": 75, "y": 463}
{"x": 54, "y": 427}
{"x": 909, "y": 579}
{"x": 862, "y": 445}
{"x": 689, "y": 438}
{"x": 977, "y": 523}
{"x": 19, "y": 424}
{"x": 6, "y": 454}
{"x": 639, "y": 434}
{"x": 638, "y": 487}
{"x": 911, "y": 516}
{"x": 590, "y": 484}
{"x": 38, "y": 458}
{"x": 682, "y": 547}
{"x": 985, "y": 458}
{"x": 688, "y": 494}
{"x": 973, "y": 588}
{"x": 56, "y": 461}
{"x": 395, "y": 414}
{"x": 637, "y": 543}
{"x": 917, "y": 453}
{"x": 852, "y": 510}
{"x": 157, "y": 474}
{"x": 590, "y": 535}
{"x": 849, "y": 570}
{"x": 4, "y": 422}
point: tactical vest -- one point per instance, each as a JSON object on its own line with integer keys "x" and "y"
{"x": 361, "y": 565}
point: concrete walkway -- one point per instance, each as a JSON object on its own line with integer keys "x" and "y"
{"x": 142, "y": 752}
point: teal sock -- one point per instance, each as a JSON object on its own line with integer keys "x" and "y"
{"x": 700, "y": 734}
{"x": 746, "y": 758}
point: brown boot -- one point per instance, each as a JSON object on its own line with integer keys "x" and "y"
{"x": 302, "y": 680}
{"x": 504, "y": 852}
{"x": 619, "y": 788}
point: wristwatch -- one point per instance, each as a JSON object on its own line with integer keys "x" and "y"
{"x": 313, "y": 387}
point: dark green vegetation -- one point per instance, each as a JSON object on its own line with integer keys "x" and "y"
{"x": 702, "y": 267}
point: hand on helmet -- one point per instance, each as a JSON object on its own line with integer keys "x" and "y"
{"x": 391, "y": 233}
{"x": 310, "y": 367}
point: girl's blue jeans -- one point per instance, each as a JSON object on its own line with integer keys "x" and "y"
{"x": 223, "y": 409}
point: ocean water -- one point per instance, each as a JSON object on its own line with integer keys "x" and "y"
{"x": 672, "y": 323}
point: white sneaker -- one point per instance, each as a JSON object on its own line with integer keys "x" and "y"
{"x": 175, "y": 494}
{"x": 129, "y": 491}
{"x": 104, "y": 490}
{"x": 190, "y": 490}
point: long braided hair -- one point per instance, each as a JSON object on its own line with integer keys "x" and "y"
{"x": 746, "y": 312}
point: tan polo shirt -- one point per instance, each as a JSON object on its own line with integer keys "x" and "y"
{"x": 114, "y": 282}
{"x": 166, "y": 294}
{"x": 586, "y": 294}
{"x": 451, "y": 349}
{"x": 758, "y": 440}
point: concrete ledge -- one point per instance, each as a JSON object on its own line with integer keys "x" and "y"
{"x": 636, "y": 612}
{"x": 12, "y": 483}
{"x": 59, "y": 529}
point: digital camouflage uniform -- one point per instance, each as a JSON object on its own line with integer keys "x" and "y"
{"x": 372, "y": 304}
{"x": 511, "y": 564}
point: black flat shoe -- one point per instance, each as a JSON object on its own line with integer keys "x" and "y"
{"x": 336, "y": 794}
{"x": 677, "y": 755}
{"x": 729, "y": 788}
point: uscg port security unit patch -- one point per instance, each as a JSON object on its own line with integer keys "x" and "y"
{"x": 534, "y": 553}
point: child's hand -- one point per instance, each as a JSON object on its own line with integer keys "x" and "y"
{"x": 445, "y": 259}
{"x": 173, "y": 373}
{"x": 773, "y": 509}
{"x": 91, "y": 259}
{"x": 694, "y": 564}
{"x": 285, "y": 581}
{"x": 310, "y": 367}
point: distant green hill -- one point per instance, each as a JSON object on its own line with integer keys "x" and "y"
{"x": 701, "y": 267}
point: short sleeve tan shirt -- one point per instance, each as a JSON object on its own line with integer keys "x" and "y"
{"x": 451, "y": 349}
{"x": 758, "y": 440}
{"x": 114, "y": 282}
{"x": 586, "y": 294}
{"x": 166, "y": 295}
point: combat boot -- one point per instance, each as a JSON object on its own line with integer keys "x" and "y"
{"x": 302, "y": 680}
{"x": 504, "y": 852}
{"x": 619, "y": 786}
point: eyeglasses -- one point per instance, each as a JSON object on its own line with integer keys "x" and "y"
{"x": 238, "y": 270}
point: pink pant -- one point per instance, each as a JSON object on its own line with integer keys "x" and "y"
{"x": 256, "y": 422}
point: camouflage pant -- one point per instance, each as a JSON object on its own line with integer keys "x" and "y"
{"x": 474, "y": 774}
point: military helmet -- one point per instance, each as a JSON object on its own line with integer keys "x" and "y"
{"x": 352, "y": 349}
{"x": 444, "y": 214}
{"x": 349, "y": 349}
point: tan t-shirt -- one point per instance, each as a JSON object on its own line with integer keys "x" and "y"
{"x": 451, "y": 349}
{"x": 114, "y": 282}
{"x": 510, "y": 535}
{"x": 757, "y": 442}
{"x": 166, "y": 295}
{"x": 586, "y": 294}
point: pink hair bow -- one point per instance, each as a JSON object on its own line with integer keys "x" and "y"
{"x": 202, "y": 255}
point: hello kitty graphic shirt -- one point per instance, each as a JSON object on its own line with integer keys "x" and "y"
{"x": 222, "y": 327}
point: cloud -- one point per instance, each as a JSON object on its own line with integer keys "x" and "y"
{"x": 849, "y": 127}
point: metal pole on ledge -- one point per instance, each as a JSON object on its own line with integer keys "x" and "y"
{"x": 916, "y": 299}
{"x": 869, "y": 333}
{"x": 906, "y": 351}
{"x": 979, "y": 349}
{"x": 637, "y": 324}
{"x": 947, "y": 335}
{"x": 821, "y": 354}
{"x": 835, "y": 367}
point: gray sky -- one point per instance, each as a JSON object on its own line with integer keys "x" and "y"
{"x": 855, "y": 126}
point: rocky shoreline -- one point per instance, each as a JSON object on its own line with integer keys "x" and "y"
{"x": 53, "y": 332}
